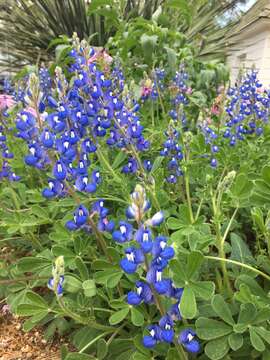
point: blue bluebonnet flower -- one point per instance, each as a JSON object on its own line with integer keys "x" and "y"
{"x": 131, "y": 167}
{"x": 133, "y": 258}
{"x": 147, "y": 164}
{"x": 80, "y": 218}
{"x": 55, "y": 188}
{"x": 99, "y": 208}
{"x": 172, "y": 152}
{"x": 6, "y": 169}
{"x": 149, "y": 341}
{"x": 211, "y": 137}
{"x": 247, "y": 112}
{"x": 166, "y": 325}
{"x": 124, "y": 233}
{"x": 155, "y": 277}
{"x": 160, "y": 252}
{"x": 144, "y": 238}
{"x": 59, "y": 287}
{"x": 161, "y": 248}
{"x": 179, "y": 90}
{"x": 55, "y": 283}
{"x": 156, "y": 219}
{"x": 143, "y": 293}
{"x": 188, "y": 340}
{"x": 104, "y": 224}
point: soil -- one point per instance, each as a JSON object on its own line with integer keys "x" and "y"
{"x": 15, "y": 344}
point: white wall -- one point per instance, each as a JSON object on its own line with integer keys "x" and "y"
{"x": 252, "y": 49}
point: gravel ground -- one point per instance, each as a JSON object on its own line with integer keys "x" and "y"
{"x": 15, "y": 344}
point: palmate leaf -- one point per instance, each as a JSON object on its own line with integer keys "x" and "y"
{"x": 261, "y": 194}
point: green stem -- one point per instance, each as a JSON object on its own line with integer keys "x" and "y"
{"x": 92, "y": 342}
{"x": 199, "y": 209}
{"x": 229, "y": 226}
{"x": 82, "y": 320}
{"x": 104, "y": 160}
{"x": 259, "y": 272}
{"x": 189, "y": 198}
{"x": 220, "y": 241}
{"x": 152, "y": 114}
{"x": 187, "y": 188}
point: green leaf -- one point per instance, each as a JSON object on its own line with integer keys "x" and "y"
{"x": 265, "y": 334}
{"x": 82, "y": 268}
{"x": 217, "y": 349}
{"x": 30, "y": 310}
{"x": 194, "y": 262}
{"x": 114, "y": 279}
{"x": 188, "y": 306}
{"x": 102, "y": 349}
{"x": 222, "y": 309}
{"x": 242, "y": 187}
{"x": 208, "y": 329}
{"x": 247, "y": 313}
{"x": 89, "y": 288}
{"x": 203, "y": 289}
{"x": 30, "y": 323}
{"x": 119, "y": 159}
{"x": 118, "y": 316}
{"x": 148, "y": 43}
{"x": 240, "y": 250}
{"x": 258, "y": 218}
{"x": 139, "y": 356}
{"x": 172, "y": 354}
{"x": 77, "y": 356}
{"x": 36, "y": 299}
{"x": 157, "y": 163}
{"x": 256, "y": 341}
{"x": 266, "y": 174}
{"x": 61, "y": 51}
{"x": 179, "y": 275}
{"x": 96, "y": 4}
{"x": 72, "y": 284}
{"x": 262, "y": 315}
{"x": 40, "y": 212}
{"x": 172, "y": 58}
{"x": 32, "y": 264}
{"x": 252, "y": 285}
{"x": 244, "y": 294}
{"x": 137, "y": 317}
{"x": 240, "y": 328}
{"x": 235, "y": 341}
{"x": 174, "y": 223}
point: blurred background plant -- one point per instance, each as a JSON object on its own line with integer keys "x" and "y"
{"x": 28, "y": 27}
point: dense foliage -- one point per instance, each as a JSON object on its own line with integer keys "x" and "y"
{"x": 135, "y": 214}
{"x": 28, "y": 27}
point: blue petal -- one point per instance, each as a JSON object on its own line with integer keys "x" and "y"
{"x": 167, "y": 335}
{"x": 193, "y": 346}
{"x": 149, "y": 341}
{"x": 70, "y": 225}
{"x": 133, "y": 298}
{"x": 128, "y": 266}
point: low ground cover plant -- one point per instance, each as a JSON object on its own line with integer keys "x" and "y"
{"x": 135, "y": 214}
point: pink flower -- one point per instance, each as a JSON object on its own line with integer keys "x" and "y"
{"x": 215, "y": 110}
{"x": 189, "y": 91}
{"x": 101, "y": 55}
{"x": 6, "y": 101}
{"x": 31, "y": 111}
{"x": 146, "y": 91}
